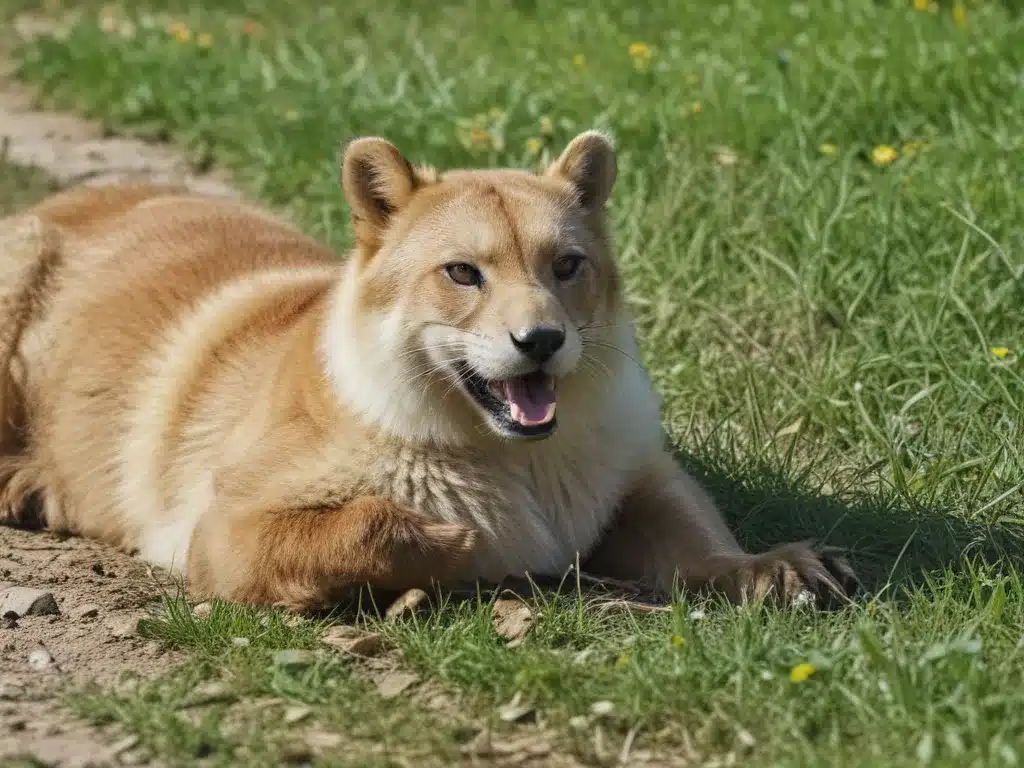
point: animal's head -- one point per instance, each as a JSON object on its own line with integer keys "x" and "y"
{"x": 473, "y": 295}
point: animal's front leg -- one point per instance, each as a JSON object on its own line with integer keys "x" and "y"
{"x": 304, "y": 559}
{"x": 669, "y": 529}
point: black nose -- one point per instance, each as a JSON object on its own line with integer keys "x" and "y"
{"x": 540, "y": 342}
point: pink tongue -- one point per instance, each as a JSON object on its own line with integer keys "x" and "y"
{"x": 531, "y": 400}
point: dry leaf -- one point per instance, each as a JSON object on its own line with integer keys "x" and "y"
{"x": 512, "y": 619}
{"x": 353, "y": 640}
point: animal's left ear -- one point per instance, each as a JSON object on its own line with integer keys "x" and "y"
{"x": 589, "y": 163}
{"x": 378, "y": 181}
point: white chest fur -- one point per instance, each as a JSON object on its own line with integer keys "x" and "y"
{"x": 536, "y": 504}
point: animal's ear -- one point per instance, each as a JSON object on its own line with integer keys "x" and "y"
{"x": 378, "y": 182}
{"x": 589, "y": 163}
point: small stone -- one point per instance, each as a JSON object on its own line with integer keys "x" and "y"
{"x": 395, "y": 683}
{"x": 354, "y": 641}
{"x": 7, "y": 622}
{"x": 578, "y": 722}
{"x": 40, "y": 660}
{"x": 202, "y": 610}
{"x": 698, "y": 614}
{"x": 293, "y": 658}
{"x": 240, "y": 642}
{"x": 86, "y": 611}
{"x": 413, "y": 601}
{"x": 16, "y": 602}
{"x": 124, "y": 627}
{"x": 296, "y": 714}
{"x": 516, "y": 712}
{"x": 601, "y": 708}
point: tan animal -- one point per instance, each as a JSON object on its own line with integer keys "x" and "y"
{"x": 459, "y": 398}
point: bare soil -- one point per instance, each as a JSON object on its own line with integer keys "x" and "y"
{"x": 42, "y": 655}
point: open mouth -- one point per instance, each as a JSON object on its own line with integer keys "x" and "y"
{"x": 523, "y": 406}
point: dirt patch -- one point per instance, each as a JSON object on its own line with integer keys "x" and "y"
{"x": 88, "y": 632}
{"x": 75, "y": 151}
{"x": 98, "y": 593}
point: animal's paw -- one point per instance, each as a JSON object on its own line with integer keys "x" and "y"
{"x": 791, "y": 574}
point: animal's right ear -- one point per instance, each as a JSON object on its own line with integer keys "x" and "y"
{"x": 378, "y": 182}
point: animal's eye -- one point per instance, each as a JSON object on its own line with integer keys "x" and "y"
{"x": 567, "y": 266}
{"x": 464, "y": 274}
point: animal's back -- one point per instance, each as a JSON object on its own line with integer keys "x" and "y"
{"x": 130, "y": 273}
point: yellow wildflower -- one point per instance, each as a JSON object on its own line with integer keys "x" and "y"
{"x": 547, "y": 127}
{"x": 641, "y": 55}
{"x": 828, "y": 149}
{"x": 534, "y": 145}
{"x": 204, "y": 40}
{"x": 1000, "y": 352}
{"x": 959, "y": 15}
{"x": 677, "y": 641}
{"x": 579, "y": 61}
{"x": 921, "y": 5}
{"x": 801, "y": 672}
{"x": 180, "y": 31}
{"x": 696, "y": 107}
{"x": 883, "y": 154}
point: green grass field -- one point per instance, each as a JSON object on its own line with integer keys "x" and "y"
{"x": 821, "y": 219}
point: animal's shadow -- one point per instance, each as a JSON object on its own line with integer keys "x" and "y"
{"x": 889, "y": 541}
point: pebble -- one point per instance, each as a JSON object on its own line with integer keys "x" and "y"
{"x": 126, "y": 627}
{"x": 395, "y": 683}
{"x": 515, "y": 711}
{"x": 86, "y": 611}
{"x": 16, "y": 602}
{"x": 202, "y": 610}
{"x": 240, "y": 642}
{"x": 40, "y": 659}
{"x": 600, "y": 708}
{"x": 293, "y": 715}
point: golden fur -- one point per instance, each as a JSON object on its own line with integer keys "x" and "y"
{"x": 196, "y": 381}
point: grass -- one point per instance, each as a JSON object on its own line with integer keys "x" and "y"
{"x": 837, "y": 329}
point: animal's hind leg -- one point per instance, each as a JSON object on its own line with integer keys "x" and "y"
{"x": 28, "y": 249}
